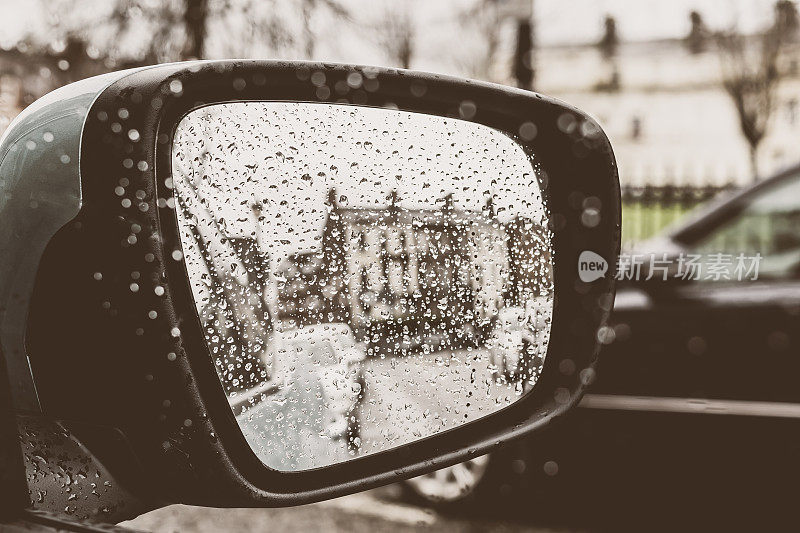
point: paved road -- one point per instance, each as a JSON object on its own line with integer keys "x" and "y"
{"x": 411, "y": 397}
{"x": 405, "y": 399}
{"x": 368, "y": 512}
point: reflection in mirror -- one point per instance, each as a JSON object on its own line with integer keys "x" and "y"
{"x": 365, "y": 277}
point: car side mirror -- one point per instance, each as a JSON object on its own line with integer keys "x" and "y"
{"x": 250, "y": 283}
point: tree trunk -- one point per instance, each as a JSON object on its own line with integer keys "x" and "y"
{"x": 194, "y": 19}
{"x": 754, "y": 163}
{"x": 523, "y": 55}
{"x": 406, "y": 48}
{"x": 308, "y": 34}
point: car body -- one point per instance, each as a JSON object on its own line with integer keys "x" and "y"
{"x": 508, "y": 342}
{"x": 696, "y": 386}
{"x": 515, "y": 344}
{"x": 319, "y": 367}
{"x": 328, "y": 352}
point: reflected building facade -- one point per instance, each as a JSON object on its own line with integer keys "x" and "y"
{"x": 410, "y": 279}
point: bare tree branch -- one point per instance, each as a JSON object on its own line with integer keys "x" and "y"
{"x": 484, "y": 18}
{"x": 750, "y": 74}
{"x": 397, "y": 34}
{"x": 307, "y": 10}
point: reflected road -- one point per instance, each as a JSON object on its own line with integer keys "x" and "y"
{"x": 405, "y": 398}
{"x": 414, "y": 396}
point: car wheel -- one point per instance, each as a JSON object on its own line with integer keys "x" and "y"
{"x": 494, "y": 485}
{"x": 452, "y": 486}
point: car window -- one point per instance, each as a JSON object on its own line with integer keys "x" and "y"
{"x": 764, "y": 235}
{"x": 319, "y": 352}
{"x": 345, "y": 343}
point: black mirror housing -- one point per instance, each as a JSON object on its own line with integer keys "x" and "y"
{"x": 115, "y": 345}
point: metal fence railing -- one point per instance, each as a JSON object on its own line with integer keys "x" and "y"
{"x": 646, "y": 210}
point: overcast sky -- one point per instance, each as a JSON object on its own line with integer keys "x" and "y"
{"x": 287, "y": 156}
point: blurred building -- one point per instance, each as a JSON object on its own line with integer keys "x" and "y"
{"x": 665, "y": 110}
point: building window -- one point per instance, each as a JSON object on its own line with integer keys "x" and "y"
{"x": 791, "y": 111}
{"x": 636, "y": 128}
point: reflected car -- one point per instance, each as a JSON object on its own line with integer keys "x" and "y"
{"x": 698, "y": 372}
{"x": 515, "y": 349}
{"x": 317, "y": 367}
{"x": 329, "y": 353}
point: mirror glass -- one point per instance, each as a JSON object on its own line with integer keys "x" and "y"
{"x": 365, "y": 277}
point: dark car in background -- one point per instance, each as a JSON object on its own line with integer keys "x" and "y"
{"x": 697, "y": 395}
